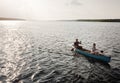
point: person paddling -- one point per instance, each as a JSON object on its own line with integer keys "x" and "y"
{"x": 77, "y": 45}
{"x": 94, "y": 50}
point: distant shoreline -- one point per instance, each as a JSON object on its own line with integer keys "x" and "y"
{"x": 94, "y": 20}
{"x": 1, "y": 18}
{"x": 77, "y": 20}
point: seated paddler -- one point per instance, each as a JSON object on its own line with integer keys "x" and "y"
{"x": 77, "y": 44}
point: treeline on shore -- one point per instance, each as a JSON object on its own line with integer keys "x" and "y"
{"x": 100, "y": 20}
{"x": 94, "y": 20}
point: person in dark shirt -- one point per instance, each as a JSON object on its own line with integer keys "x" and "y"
{"x": 77, "y": 44}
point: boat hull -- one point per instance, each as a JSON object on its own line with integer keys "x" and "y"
{"x": 103, "y": 58}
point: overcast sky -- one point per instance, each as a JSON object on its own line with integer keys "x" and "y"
{"x": 60, "y": 9}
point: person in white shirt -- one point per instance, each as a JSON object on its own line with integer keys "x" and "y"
{"x": 94, "y": 49}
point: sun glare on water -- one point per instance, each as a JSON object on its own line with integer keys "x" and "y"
{"x": 11, "y": 24}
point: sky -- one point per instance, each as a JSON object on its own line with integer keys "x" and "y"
{"x": 60, "y": 9}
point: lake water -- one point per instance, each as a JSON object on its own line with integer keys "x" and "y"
{"x": 39, "y": 52}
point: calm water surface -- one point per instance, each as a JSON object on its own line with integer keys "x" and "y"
{"x": 39, "y": 52}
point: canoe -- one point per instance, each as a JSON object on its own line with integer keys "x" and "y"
{"x": 103, "y": 58}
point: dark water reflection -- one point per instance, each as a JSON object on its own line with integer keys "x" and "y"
{"x": 39, "y": 52}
